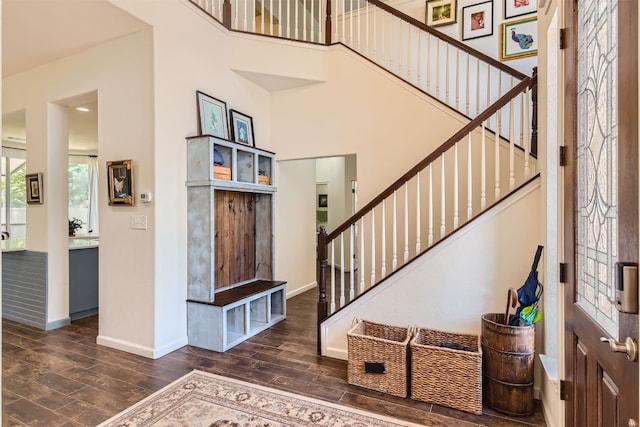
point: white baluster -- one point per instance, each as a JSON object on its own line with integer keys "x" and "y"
{"x": 446, "y": 75}
{"x": 418, "y": 216}
{"x": 527, "y": 137}
{"x": 469, "y": 181}
{"x": 342, "y": 267}
{"x": 428, "y": 86}
{"x": 362, "y": 257}
{"x": 512, "y": 143}
{"x": 352, "y": 262}
{"x": 383, "y": 244}
{"x": 478, "y": 86}
{"x": 455, "y": 187}
{"x": 244, "y": 18}
{"x": 406, "y": 222}
{"x": 373, "y": 247}
{"x": 457, "y": 79}
{"x": 375, "y": 34}
{"x": 489, "y": 85}
{"x": 483, "y": 170}
{"x": 320, "y": 22}
{"x": 384, "y": 39}
{"x": 497, "y": 156}
{"x": 351, "y": 43}
{"x": 419, "y": 84}
{"x": 262, "y": 31}
{"x": 344, "y": 14}
{"x": 271, "y": 17}
{"x": 443, "y": 199}
{"x": 391, "y": 51}
{"x": 400, "y": 50}
{"x": 466, "y": 109}
{"x": 438, "y": 68}
{"x": 357, "y": 16}
{"x": 430, "y": 238}
{"x": 333, "y": 278}
{"x": 409, "y": 57}
{"x": 394, "y": 258}
{"x": 296, "y": 26}
{"x": 304, "y": 20}
{"x": 281, "y": 20}
{"x": 366, "y": 14}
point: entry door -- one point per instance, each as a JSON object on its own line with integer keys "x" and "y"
{"x": 601, "y": 207}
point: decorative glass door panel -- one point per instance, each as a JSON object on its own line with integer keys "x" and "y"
{"x": 597, "y": 160}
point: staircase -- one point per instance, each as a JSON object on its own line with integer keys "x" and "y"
{"x": 487, "y": 161}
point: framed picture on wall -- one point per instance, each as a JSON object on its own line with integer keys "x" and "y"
{"x": 519, "y": 39}
{"x": 120, "y": 179}
{"x": 477, "y": 20}
{"x": 212, "y": 116}
{"x": 323, "y": 200}
{"x": 242, "y": 128}
{"x": 35, "y": 194}
{"x": 513, "y": 8}
{"x": 440, "y": 12}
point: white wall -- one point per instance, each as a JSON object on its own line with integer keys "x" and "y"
{"x": 456, "y": 282}
{"x": 120, "y": 71}
{"x": 295, "y": 236}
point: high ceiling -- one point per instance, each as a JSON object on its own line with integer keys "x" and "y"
{"x": 35, "y": 32}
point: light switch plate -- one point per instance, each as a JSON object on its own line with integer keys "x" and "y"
{"x": 139, "y": 222}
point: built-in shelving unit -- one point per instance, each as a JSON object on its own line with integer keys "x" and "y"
{"x": 231, "y": 291}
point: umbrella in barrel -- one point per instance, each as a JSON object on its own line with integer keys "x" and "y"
{"x": 529, "y": 294}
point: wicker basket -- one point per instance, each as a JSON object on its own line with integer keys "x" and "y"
{"x": 443, "y": 375}
{"x": 378, "y": 357}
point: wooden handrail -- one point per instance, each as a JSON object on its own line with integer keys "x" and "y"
{"x": 469, "y": 127}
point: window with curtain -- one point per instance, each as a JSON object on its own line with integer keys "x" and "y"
{"x": 83, "y": 193}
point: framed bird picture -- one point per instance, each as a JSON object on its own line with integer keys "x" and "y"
{"x": 519, "y": 39}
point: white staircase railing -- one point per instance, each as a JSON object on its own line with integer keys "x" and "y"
{"x": 472, "y": 171}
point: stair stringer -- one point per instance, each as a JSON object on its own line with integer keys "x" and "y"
{"x": 450, "y": 286}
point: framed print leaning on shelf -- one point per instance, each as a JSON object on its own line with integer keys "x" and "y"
{"x": 241, "y": 128}
{"x": 519, "y": 39}
{"x": 212, "y": 116}
{"x": 440, "y": 12}
{"x": 34, "y": 188}
{"x": 120, "y": 178}
{"x": 477, "y": 20}
{"x": 513, "y": 8}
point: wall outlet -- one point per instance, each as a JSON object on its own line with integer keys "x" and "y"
{"x": 139, "y": 222}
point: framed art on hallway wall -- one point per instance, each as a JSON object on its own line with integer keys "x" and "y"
{"x": 513, "y": 8}
{"x": 440, "y": 12}
{"x": 477, "y": 20}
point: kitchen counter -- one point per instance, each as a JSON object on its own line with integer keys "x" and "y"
{"x": 19, "y": 243}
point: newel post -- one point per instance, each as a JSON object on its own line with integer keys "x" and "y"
{"x": 226, "y": 14}
{"x": 534, "y": 115}
{"x": 327, "y": 25}
{"x": 322, "y": 279}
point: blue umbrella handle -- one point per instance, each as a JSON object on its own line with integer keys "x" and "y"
{"x": 536, "y": 260}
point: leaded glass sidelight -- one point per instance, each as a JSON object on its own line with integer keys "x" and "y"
{"x": 597, "y": 160}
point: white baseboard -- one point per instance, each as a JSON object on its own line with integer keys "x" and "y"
{"x": 143, "y": 351}
{"x": 302, "y": 289}
{"x": 57, "y": 324}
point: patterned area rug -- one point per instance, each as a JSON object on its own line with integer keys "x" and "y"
{"x": 200, "y": 399}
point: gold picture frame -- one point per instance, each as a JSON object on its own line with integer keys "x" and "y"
{"x": 441, "y": 12}
{"x": 120, "y": 179}
{"x": 35, "y": 194}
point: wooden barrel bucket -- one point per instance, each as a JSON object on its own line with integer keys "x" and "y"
{"x": 507, "y": 365}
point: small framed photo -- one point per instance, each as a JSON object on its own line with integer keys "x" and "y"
{"x": 519, "y": 39}
{"x": 242, "y": 128}
{"x": 212, "y": 116}
{"x": 120, "y": 177}
{"x": 440, "y": 12}
{"x": 513, "y": 8}
{"x": 477, "y": 20}
{"x": 323, "y": 200}
{"x": 35, "y": 194}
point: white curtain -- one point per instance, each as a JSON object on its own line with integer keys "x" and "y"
{"x": 92, "y": 216}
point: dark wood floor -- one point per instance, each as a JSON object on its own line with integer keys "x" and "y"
{"x": 62, "y": 378}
